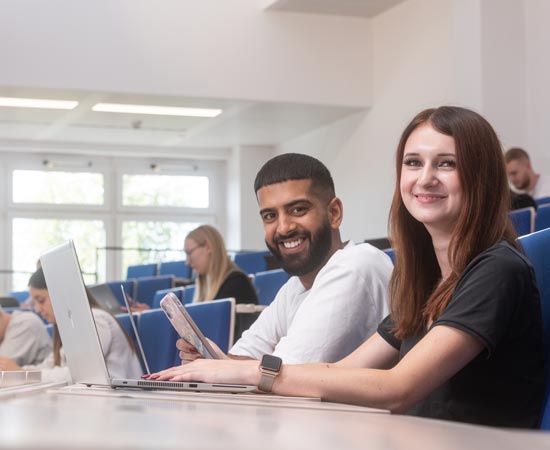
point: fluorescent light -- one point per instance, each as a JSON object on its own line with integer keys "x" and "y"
{"x": 156, "y": 110}
{"x": 37, "y": 103}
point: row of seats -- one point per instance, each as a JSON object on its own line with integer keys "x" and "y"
{"x": 249, "y": 262}
{"x": 215, "y": 319}
{"x": 267, "y": 285}
{"x": 527, "y": 220}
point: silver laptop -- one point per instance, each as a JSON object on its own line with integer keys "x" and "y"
{"x": 79, "y": 334}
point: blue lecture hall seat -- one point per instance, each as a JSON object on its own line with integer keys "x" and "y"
{"x": 542, "y": 201}
{"x": 146, "y": 287}
{"x": 177, "y": 268}
{"x": 159, "y": 295}
{"x": 21, "y": 296}
{"x": 158, "y": 337}
{"x": 251, "y": 262}
{"x": 542, "y": 218}
{"x": 216, "y": 320}
{"x": 537, "y": 249}
{"x": 268, "y": 283}
{"x": 129, "y": 288}
{"x": 523, "y": 220}
{"x": 141, "y": 270}
{"x": 188, "y": 294}
{"x": 390, "y": 253}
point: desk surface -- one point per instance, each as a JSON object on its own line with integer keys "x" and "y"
{"x": 130, "y": 420}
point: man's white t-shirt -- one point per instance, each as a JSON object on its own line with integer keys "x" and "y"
{"x": 344, "y": 306}
{"x": 542, "y": 188}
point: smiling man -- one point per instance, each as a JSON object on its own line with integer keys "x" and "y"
{"x": 337, "y": 295}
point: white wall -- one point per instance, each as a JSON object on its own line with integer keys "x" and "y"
{"x": 245, "y": 230}
{"x": 537, "y": 17}
{"x": 412, "y": 70}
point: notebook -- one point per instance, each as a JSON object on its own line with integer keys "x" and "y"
{"x": 79, "y": 334}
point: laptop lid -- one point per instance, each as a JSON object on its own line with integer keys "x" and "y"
{"x": 106, "y": 298}
{"x": 134, "y": 327}
{"x": 73, "y": 316}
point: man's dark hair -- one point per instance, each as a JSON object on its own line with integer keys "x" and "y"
{"x": 295, "y": 166}
{"x": 514, "y": 154}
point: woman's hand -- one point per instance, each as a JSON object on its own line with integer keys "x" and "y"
{"x": 189, "y": 353}
{"x": 212, "y": 371}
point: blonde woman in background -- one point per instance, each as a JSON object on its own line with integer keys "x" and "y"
{"x": 217, "y": 276}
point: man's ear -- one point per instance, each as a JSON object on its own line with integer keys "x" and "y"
{"x": 335, "y": 213}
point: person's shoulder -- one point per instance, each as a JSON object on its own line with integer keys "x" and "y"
{"x": 362, "y": 257}
{"x": 102, "y": 315}
{"x": 26, "y": 317}
{"x": 236, "y": 275}
{"x": 502, "y": 258}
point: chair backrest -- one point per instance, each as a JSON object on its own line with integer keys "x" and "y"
{"x": 124, "y": 319}
{"x": 159, "y": 295}
{"x": 177, "y": 268}
{"x": 268, "y": 283}
{"x": 251, "y": 262}
{"x": 141, "y": 270}
{"x": 216, "y": 320}
{"x": 146, "y": 287}
{"x": 542, "y": 218}
{"x": 21, "y": 296}
{"x": 542, "y": 201}
{"x": 390, "y": 253}
{"x": 537, "y": 249}
{"x": 129, "y": 288}
{"x": 523, "y": 220}
{"x": 158, "y": 338}
{"x": 188, "y": 294}
{"x": 8, "y": 302}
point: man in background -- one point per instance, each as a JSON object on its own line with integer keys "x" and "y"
{"x": 522, "y": 176}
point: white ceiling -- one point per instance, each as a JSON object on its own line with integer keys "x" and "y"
{"x": 241, "y": 122}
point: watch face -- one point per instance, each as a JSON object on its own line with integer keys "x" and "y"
{"x": 271, "y": 362}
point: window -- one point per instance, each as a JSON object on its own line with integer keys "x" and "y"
{"x": 165, "y": 190}
{"x": 58, "y": 188}
{"x": 31, "y": 237}
{"x": 153, "y": 241}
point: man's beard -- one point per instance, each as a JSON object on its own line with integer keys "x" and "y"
{"x": 302, "y": 264}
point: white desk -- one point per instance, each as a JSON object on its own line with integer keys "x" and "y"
{"x": 200, "y": 421}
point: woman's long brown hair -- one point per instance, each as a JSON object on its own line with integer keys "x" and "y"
{"x": 417, "y": 292}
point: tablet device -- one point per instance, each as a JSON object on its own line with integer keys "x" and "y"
{"x": 185, "y": 326}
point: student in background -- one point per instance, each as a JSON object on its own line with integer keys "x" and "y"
{"x": 522, "y": 176}
{"x": 463, "y": 341}
{"x": 23, "y": 337}
{"x": 217, "y": 276}
{"x": 120, "y": 355}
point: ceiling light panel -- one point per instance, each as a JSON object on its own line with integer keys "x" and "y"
{"x": 37, "y": 103}
{"x": 155, "y": 110}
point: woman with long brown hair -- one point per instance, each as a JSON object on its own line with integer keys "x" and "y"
{"x": 463, "y": 340}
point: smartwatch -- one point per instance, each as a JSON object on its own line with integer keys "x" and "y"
{"x": 270, "y": 366}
